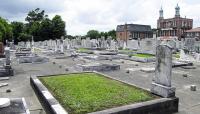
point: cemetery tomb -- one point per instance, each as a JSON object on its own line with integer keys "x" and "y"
{"x": 97, "y": 67}
{"x": 14, "y": 106}
{"x": 80, "y": 93}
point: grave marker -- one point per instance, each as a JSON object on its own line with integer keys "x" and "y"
{"x": 161, "y": 84}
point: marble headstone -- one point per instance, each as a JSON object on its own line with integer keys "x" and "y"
{"x": 161, "y": 83}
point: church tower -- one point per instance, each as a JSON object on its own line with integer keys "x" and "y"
{"x": 161, "y": 13}
{"x": 177, "y": 11}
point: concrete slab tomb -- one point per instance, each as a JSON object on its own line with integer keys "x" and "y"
{"x": 97, "y": 67}
{"x": 96, "y": 93}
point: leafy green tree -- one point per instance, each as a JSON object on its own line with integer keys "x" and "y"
{"x": 58, "y": 27}
{"x": 112, "y": 33}
{"x": 46, "y": 29}
{"x": 24, "y": 37}
{"x": 5, "y": 30}
{"x": 69, "y": 37}
{"x": 93, "y": 34}
{"x": 105, "y": 34}
{"x": 17, "y": 29}
{"x": 34, "y": 30}
{"x": 35, "y": 16}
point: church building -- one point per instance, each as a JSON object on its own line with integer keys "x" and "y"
{"x": 173, "y": 27}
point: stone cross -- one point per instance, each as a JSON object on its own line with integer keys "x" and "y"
{"x": 161, "y": 84}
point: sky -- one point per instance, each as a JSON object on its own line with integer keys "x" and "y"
{"x": 102, "y": 15}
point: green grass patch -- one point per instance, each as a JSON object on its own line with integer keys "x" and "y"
{"x": 37, "y": 49}
{"x": 126, "y": 51}
{"x": 89, "y": 92}
{"x": 143, "y": 55}
{"x": 84, "y": 50}
{"x": 177, "y": 55}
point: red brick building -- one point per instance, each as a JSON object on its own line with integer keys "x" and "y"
{"x": 175, "y": 26}
{"x": 133, "y": 31}
{"x": 193, "y": 33}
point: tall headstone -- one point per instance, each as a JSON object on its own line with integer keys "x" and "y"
{"x": 7, "y": 65}
{"x": 7, "y": 54}
{"x": 32, "y": 45}
{"x": 32, "y": 42}
{"x": 61, "y": 44}
{"x": 124, "y": 45}
{"x": 55, "y": 46}
{"x": 161, "y": 83}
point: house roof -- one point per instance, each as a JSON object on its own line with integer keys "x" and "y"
{"x": 134, "y": 28}
{"x": 194, "y": 30}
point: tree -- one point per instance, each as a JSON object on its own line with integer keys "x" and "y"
{"x": 34, "y": 30}
{"x": 35, "y": 16}
{"x": 5, "y": 30}
{"x": 112, "y": 33}
{"x": 46, "y": 29}
{"x": 93, "y": 34}
{"x": 17, "y": 29}
{"x": 24, "y": 37}
{"x": 58, "y": 25}
{"x": 69, "y": 37}
{"x": 39, "y": 26}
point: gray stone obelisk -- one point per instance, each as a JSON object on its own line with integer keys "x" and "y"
{"x": 161, "y": 83}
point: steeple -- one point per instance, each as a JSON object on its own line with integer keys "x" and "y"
{"x": 161, "y": 13}
{"x": 177, "y": 11}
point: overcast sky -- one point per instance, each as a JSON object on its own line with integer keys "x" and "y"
{"x": 103, "y": 15}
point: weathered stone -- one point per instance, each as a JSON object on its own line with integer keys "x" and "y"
{"x": 8, "y": 91}
{"x": 161, "y": 84}
{"x": 4, "y": 102}
{"x": 66, "y": 69}
{"x": 188, "y": 67}
{"x": 185, "y": 75}
{"x": 97, "y": 67}
{"x": 3, "y": 84}
{"x": 127, "y": 71}
{"x": 193, "y": 87}
{"x": 7, "y": 53}
{"x": 4, "y": 78}
{"x": 147, "y": 70}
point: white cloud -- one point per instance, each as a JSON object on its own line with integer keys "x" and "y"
{"x": 103, "y": 15}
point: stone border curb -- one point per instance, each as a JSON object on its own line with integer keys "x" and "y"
{"x": 157, "y": 106}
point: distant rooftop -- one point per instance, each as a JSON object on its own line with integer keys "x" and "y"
{"x": 194, "y": 30}
{"x": 134, "y": 27}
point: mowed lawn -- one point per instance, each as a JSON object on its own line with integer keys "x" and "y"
{"x": 143, "y": 55}
{"x": 90, "y": 92}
